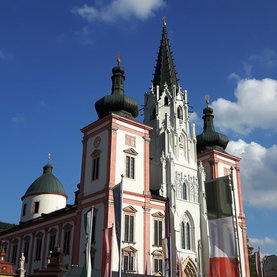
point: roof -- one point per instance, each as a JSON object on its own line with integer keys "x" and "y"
{"x": 210, "y": 139}
{"x": 46, "y": 183}
{"x": 165, "y": 67}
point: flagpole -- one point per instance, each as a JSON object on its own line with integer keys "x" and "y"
{"x": 119, "y": 250}
{"x": 111, "y": 254}
{"x": 236, "y": 230}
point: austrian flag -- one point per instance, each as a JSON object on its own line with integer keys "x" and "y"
{"x": 107, "y": 252}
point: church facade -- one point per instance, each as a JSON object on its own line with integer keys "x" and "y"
{"x": 161, "y": 167}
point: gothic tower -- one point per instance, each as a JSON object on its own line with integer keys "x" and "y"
{"x": 173, "y": 158}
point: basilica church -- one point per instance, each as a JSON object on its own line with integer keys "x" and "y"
{"x": 180, "y": 210}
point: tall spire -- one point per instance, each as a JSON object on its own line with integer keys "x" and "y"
{"x": 165, "y": 67}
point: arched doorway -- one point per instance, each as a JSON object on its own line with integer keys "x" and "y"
{"x": 189, "y": 268}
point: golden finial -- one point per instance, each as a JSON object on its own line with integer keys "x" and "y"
{"x": 118, "y": 58}
{"x": 164, "y": 20}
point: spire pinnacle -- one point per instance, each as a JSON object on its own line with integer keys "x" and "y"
{"x": 165, "y": 67}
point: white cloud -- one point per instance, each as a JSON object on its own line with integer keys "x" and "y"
{"x": 17, "y": 119}
{"x": 124, "y": 9}
{"x": 234, "y": 76}
{"x": 262, "y": 242}
{"x": 268, "y": 57}
{"x": 258, "y": 172}
{"x": 255, "y": 107}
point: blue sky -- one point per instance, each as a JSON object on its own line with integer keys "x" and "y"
{"x": 56, "y": 59}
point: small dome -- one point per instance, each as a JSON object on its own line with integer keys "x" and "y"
{"x": 46, "y": 183}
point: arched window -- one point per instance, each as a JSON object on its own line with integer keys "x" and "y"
{"x": 166, "y": 101}
{"x": 185, "y": 192}
{"x": 179, "y": 113}
{"x": 187, "y": 234}
{"x": 183, "y": 236}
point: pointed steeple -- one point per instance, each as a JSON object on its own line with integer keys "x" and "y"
{"x": 165, "y": 67}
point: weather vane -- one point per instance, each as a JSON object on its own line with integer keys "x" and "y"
{"x": 164, "y": 20}
{"x": 207, "y": 99}
{"x": 118, "y": 58}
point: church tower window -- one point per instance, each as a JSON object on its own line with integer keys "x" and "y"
{"x": 166, "y": 101}
{"x": 129, "y": 228}
{"x": 95, "y": 164}
{"x": 95, "y": 168}
{"x": 179, "y": 112}
{"x": 187, "y": 233}
{"x": 130, "y": 167}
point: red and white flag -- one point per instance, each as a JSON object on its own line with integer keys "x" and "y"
{"x": 223, "y": 260}
{"x": 107, "y": 252}
{"x": 223, "y": 254}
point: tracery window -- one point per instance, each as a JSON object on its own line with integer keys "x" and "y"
{"x": 179, "y": 112}
{"x": 187, "y": 232}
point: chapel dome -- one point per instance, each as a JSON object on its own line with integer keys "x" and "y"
{"x": 46, "y": 183}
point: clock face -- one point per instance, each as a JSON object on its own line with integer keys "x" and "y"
{"x": 97, "y": 142}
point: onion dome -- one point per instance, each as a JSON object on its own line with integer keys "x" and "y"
{"x": 46, "y": 183}
{"x": 210, "y": 139}
{"x": 117, "y": 102}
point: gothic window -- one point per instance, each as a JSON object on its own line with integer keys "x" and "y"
{"x": 129, "y": 258}
{"x": 185, "y": 191}
{"x": 183, "y": 235}
{"x": 38, "y": 246}
{"x": 166, "y": 101}
{"x": 179, "y": 112}
{"x": 187, "y": 233}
